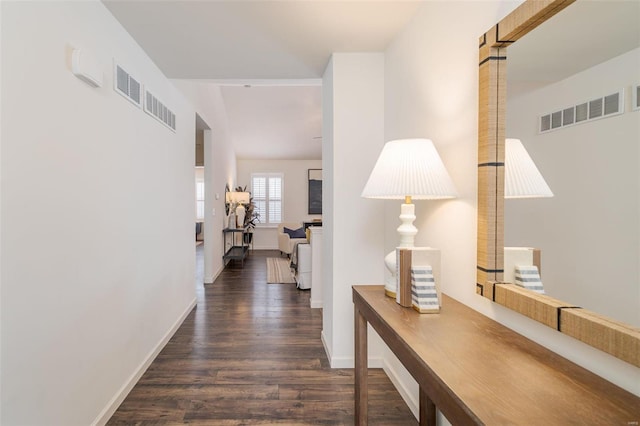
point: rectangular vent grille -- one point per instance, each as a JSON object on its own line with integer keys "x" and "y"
{"x": 612, "y": 104}
{"x": 635, "y": 104}
{"x": 568, "y": 116}
{"x": 159, "y": 111}
{"x": 587, "y": 111}
{"x": 127, "y": 86}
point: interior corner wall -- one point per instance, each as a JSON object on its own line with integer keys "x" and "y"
{"x": 431, "y": 90}
{"x": 353, "y": 136}
{"x": 97, "y": 220}
{"x": 220, "y": 168}
{"x": 327, "y": 208}
{"x": 294, "y": 198}
{"x": 0, "y": 208}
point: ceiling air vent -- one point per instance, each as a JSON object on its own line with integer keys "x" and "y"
{"x": 127, "y": 86}
{"x": 605, "y": 106}
{"x": 159, "y": 111}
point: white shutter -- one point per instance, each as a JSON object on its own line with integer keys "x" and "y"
{"x": 199, "y": 193}
{"x": 259, "y": 193}
{"x": 266, "y": 190}
{"x": 275, "y": 199}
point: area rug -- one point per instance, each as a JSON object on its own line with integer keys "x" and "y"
{"x": 278, "y": 271}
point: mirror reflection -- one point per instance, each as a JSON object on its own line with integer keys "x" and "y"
{"x": 572, "y": 84}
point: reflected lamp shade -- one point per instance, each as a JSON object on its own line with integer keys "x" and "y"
{"x": 409, "y": 167}
{"x": 522, "y": 179}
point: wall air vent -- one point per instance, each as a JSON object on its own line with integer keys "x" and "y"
{"x": 635, "y": 92}
{"x": 127, "y": 86}
{"x": 159, "y": 111}
{"x": 594, "y": 109}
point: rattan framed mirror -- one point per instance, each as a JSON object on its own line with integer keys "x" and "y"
{"x": 618, "y": 339}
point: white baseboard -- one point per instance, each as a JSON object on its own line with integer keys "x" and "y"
{"x": 211, "y": 279}
{"x": 327, "y": 350}
{"x": 348, "y": 361}
{"x": 265, "y": 248}
{"x": 316, "y": 304}
{"x": 407, "y": 395}
{"x": 341, "y": 362}
{"x": 122, "y": 393}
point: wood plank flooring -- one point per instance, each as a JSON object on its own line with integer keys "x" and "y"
{"x": 250, "y": 354}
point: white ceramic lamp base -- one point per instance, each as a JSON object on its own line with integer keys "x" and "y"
{"x": 240, "y": 214}
{"x": 407, "y": 232}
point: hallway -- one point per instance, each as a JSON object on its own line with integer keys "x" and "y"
{"x": 250, "y": 353}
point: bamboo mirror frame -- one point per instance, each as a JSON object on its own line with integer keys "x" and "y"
{"x": 616, "y": 338}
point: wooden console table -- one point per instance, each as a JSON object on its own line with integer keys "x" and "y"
{"x": 477, "y": 371}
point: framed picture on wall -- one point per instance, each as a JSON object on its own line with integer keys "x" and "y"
{"x": 315, "y": 191}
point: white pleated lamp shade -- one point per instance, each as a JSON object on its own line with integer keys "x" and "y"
{"x": 409, "y": 167}
{"x": 522, "y": 179}
{"x": 238, "y": 197}
{"x": 243, "y": 197}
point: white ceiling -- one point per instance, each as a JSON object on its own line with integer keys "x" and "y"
{"x": 264, "y": 43}
{"x": 275, "y": 122}
{"x": 242, "y": 39}
{"x": 583, "y": 35}
{"x": 271, "y": 42}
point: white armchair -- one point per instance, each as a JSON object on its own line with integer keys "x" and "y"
{"x": 286, "y": 244}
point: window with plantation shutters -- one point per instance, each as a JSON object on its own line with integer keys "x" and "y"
{"x": 199, "y": 192}
{"x": 266, "y": 190}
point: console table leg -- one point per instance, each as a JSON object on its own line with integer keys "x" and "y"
{"x": 361, "y": 369}
{"x": 427, "y": 410}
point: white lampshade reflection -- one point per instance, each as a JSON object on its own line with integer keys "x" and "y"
{"x": 522, "y": 179}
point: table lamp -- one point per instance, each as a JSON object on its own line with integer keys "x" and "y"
{"x": 407, "y": 169}
{"x": 241, "y": 198}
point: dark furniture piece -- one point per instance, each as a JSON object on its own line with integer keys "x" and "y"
{"x": 312, "y": 223}
{"x": 235, "y": 251}
{"x": 314, "y": 177}
{"x": 477, "y": 371}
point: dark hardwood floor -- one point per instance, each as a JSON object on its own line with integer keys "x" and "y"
{"x": 250, "y": 353}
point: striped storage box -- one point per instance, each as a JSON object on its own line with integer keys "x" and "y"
{"x": 424, "y": 296}
{"x": 529, "y": 278}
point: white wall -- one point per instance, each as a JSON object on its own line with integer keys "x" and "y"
{"x": 431, "y": 90}
{"x": 1, "y": 302}
{"x": 353, "y": 136}
{"x": 589, "y": 234}
{"x": 97, "y": 247}
{"x": 220, "y": 168}
{"x": 327, "y": 207}
{"x": 295, "y": 195}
